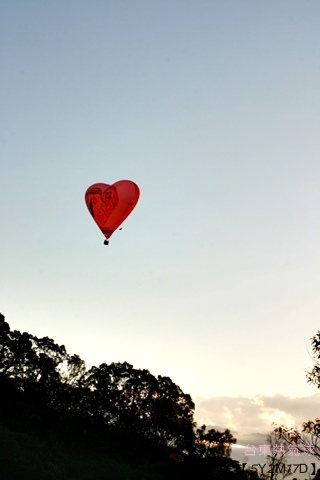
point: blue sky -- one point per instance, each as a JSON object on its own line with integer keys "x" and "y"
{"x": 212, "y": 108}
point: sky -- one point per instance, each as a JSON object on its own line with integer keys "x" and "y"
{"x": 212, "y": 108}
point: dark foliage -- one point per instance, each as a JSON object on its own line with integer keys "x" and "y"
{"x": 60, "y": 421}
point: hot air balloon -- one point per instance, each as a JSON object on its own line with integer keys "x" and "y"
{"x": 110, "y": 205}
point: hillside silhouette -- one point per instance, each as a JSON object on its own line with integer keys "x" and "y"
{"x": 60, "y": 421}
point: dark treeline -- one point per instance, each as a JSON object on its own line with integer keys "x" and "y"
{"x": 60, "y": 421}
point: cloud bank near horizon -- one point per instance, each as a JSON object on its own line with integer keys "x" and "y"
{"x": 256, "y": 414}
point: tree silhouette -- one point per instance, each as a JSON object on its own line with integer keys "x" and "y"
{"x": 277, "y": 458}
{"x": 306, "y": 440}
{"x": 50, "y": 398}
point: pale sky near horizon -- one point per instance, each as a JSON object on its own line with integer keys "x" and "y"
{"x": 212, "y": 108}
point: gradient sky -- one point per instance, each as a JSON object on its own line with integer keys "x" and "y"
{"x": 212, "y": 108}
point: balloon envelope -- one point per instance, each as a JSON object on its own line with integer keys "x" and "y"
{"x": 110, "y": 205}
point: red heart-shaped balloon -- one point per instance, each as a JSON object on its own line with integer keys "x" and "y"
{"x": 110, "y": 205}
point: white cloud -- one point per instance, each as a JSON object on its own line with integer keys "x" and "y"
{"x": 244, "y": 415}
